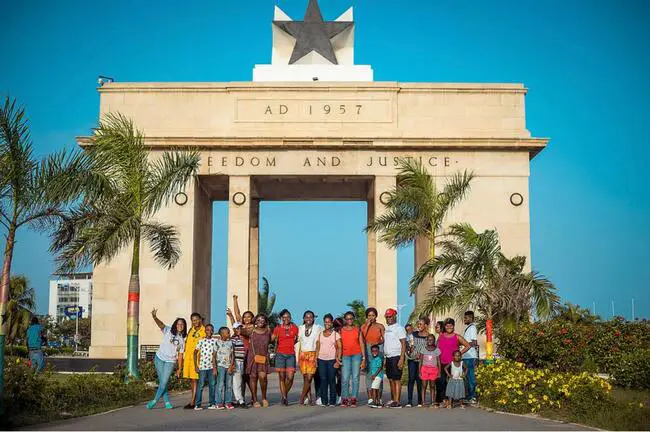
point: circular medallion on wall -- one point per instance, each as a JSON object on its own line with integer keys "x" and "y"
{"x": 180, "y": 198}
{"x": 239, "y": 198}
{"x": 516, "y": 199}
{"x": 384, "y": 197}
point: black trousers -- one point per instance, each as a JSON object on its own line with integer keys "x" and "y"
{"x": 441, "y": 383}
{"x": 414, "y": 379}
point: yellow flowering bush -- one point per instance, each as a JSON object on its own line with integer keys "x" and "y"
{"x": 511, "y": 386}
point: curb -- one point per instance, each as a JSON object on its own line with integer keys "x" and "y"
{"x": 537, "y": 417}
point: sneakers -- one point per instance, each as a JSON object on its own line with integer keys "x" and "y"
{"x": 338, "y": 400}
{"x": 151, "y": 404}
{"x": 212, "y": 407}
{"x": 168, "y": 405}
{"x": 408, "y": 405}
{"x": 376, "y": 405}
{"x": 319, "y": 402}
{"x": 229, "y": 406}
{"x": 344, "y": 403}
{"x": 198, "y": 408}
{"x": 353, "y": 403}
{"x": 394, "y": 404}
{"x": 370, "y": 402}
{"x": 221, "y": 406}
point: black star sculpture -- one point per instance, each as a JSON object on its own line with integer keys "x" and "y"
{"x": 313, "y": 34}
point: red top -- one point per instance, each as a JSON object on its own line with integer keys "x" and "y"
{"x": 286, "y": 338}
{"x": 350, "y": 341}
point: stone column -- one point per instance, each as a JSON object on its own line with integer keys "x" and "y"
{"x": 254, "y": 256}
{"x": 239, "y": 206}
{"x": 202, "y": 253}
{"x": 382, "y": 260}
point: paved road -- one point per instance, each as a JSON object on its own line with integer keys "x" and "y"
{"x": 296, "y": 417}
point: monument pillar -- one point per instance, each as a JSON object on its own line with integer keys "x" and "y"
{"x": 254, "y": 256}
{"x": 382, "y": 260}
{"x": 239, "y": 215}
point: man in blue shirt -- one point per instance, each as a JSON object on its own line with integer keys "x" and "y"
{"x": 34, "y": 341}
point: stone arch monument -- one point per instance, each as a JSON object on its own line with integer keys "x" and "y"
{"x": 311, "y": 125}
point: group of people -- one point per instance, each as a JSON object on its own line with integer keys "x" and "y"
{"x": 331, "y": 356}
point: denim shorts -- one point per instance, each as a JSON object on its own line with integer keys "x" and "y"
{"x": 285, "y": 362}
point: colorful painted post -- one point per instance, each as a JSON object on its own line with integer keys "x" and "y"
{"x": 489, "y": 346}
{"x": 4, "y": 301}
{"x": 132, "y": 327}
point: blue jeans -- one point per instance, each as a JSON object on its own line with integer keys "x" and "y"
{"x": 224, "y": 386}
{"x": 38, "y": 360}
{"x": 164, "y": 370}
{"x": 203, "y": 376}
{"x": 327, "y": 374}
{"x": 351, "y": 366}
{"x": 471, "y": 377}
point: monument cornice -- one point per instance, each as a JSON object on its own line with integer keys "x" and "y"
{"x": 532, "y": 145}
{"x": 388, "y": 86}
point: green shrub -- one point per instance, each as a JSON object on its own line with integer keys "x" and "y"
{"x": 565, "y": 346}
{"x": 32, "y": 398}
{"x": 511, "y": 386}
{"x": 632, "y": 370}
{"x": 16, "y": 350}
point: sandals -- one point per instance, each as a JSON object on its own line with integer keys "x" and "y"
{"x": 265, "y": 403}
{"x": 256, "y": 405}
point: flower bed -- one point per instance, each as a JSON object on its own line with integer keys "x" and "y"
{"x": 511, "y": 386}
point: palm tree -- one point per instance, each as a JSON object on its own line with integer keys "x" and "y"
{"x": 359, "y": 309}
{"x": 478, "y": 276}
{"x": 417, "y": 207}
{"x": 30, "y": 195}
{"x": 266, "y": 302}
{"x": 22, "y": 300}
{"x": 123, "y": 189}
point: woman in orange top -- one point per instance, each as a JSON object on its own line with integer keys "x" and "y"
{"x": 354, "y": 359}
{"x": 373, "y": 334}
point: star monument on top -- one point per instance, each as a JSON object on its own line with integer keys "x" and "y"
{"x": 312, "y": 49}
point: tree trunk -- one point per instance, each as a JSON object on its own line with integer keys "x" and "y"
{"x": 133, "y": 313}
{"x": 4, "y": 300}
{"x": 489, "y": 346}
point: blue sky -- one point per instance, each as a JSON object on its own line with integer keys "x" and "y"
{"x": 585, "y": 64}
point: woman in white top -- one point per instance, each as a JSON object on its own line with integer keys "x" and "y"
{"x": 169, "y": 354}
{"x": 308, "y": 334}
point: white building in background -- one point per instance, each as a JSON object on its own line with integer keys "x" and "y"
{"x": 74, "y": 289}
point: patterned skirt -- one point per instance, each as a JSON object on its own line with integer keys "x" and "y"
{"x": 455, "y": 389}
{"x": 307, "y": 362}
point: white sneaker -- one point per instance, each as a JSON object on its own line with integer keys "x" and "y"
{"x": 212, "y": 407}
{"x": 370, "y": 401}
{"x": 198, "y": 408}
{"x": 338, "y": 400}
{"x": 306, "y": 401}
{"x": 319, "y": 402}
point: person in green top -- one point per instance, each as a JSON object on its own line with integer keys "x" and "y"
{"x": 375, "y": 375}
{"x": 35, "y": 337}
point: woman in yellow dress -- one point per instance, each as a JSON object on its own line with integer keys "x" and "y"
{"x": 194, "y": 334}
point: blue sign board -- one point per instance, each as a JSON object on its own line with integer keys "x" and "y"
{"x": 73, "y": 311}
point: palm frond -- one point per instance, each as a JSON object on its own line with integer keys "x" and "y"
{"x": 168, "y": 175}
{"x": 163, "y": 242}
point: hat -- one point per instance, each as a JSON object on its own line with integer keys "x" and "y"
{"x": 236, "y": 325}
{"x": 390, "y": 312}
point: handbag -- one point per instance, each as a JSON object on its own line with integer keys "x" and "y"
{"x": 257, "y": 358}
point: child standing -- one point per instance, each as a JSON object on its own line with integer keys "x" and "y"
{"x": 240, "y": 356}
{"x": 206, "y": 367}
{"x": 225, "y": 367}
{"x": 456, "y": 371}
{"x": 376, "y": 375}
{"x": 430, "y": 369}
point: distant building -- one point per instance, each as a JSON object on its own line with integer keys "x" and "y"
{"x": 74, "y": 289}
